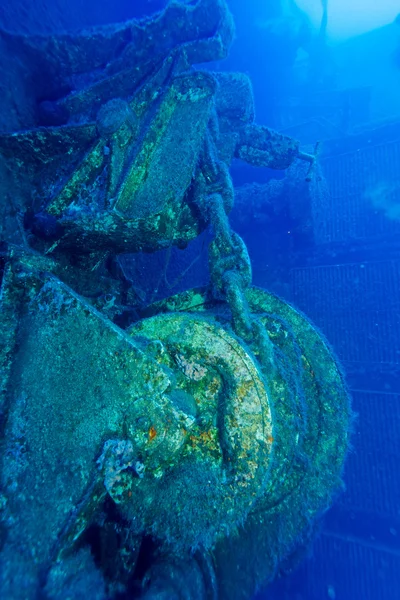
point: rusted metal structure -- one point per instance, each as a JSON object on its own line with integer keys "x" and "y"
{"x": 203, "y": 440}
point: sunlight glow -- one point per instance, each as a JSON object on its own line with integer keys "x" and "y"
{"x": 348, "y": 18}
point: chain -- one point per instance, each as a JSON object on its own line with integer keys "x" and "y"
{"x": 229, "y": 261}
{"x": 229, "y": 264}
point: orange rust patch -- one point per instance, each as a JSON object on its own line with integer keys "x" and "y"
{"x": 152, "y": 433}
{"x": 204, "y": 439}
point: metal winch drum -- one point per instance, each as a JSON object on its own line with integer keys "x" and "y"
{"x": 198, "y": 440}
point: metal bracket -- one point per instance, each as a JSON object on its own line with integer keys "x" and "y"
{"x": 312, "y": 159}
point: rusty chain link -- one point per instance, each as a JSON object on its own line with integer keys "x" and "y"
{"x": 229, "y": 261}
{"x": 229, "y": 264}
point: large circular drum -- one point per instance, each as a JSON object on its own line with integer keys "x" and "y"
{"x": 195, "y": 437}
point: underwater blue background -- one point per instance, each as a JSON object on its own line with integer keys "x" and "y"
{"x": 343, "y": 271}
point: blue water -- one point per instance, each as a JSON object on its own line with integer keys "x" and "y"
{"x": 339, "y": 262}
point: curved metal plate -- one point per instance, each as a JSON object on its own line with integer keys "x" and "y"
{"x": 229, "y": 439}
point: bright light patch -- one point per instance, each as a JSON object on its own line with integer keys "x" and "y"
{"x": 348, "y": 18}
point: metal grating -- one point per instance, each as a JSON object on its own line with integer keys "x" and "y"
{"x": 364, "y": 337}
{"x": 351, "y": 172}
{"x": 372, "y": 482}
{"x": 364, "y": 195}
{"x": 346, "y": 569}
{"x": 355, "y": 218}
{"x": 341, "y": 568}
{"x": 357, "y": 306}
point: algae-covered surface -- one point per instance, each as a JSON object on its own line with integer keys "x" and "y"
{"x": 149, "y": 449}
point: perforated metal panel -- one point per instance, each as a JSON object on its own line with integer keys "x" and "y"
{"x": 364, "y": 194}
{"x": 356, "y": 305}
{"x": 373, "y": 483}
{"x": 333, "y": 573}
{"x": 341, "y": 565}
